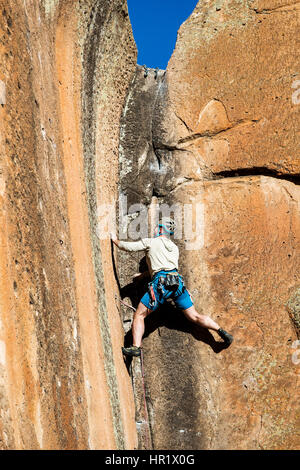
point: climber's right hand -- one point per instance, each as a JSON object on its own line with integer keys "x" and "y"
{"x": 114, "y": 239}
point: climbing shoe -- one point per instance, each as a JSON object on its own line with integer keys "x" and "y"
{"x": 225, "y": 336}
{"x": 132, "y": 351}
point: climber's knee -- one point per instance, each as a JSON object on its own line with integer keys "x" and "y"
{"x": 192, "y": 314}
{"x": 195, "y": 317}
{"x": 142, "y": 311}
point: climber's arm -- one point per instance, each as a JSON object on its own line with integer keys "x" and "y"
{"x": 139, "y": 245}
{"x": 114, "y": 239}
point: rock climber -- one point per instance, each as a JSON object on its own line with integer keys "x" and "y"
{"x": 162, "y": 256}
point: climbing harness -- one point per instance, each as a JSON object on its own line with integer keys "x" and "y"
{"x": 151, "y": 294}
{"x": 171, "y": 282}
{"x": 160, "y": 289}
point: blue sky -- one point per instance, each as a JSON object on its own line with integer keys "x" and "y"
{"x": 155, "y": 24}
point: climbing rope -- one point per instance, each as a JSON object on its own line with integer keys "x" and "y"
{"x": 145, "y": 402}
{"x": 148, "y": 436}
{"x": 126, "y": 305}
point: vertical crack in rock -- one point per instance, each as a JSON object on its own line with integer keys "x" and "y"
{"x": 147, "y": 171}
{"x": 145, "y": 163}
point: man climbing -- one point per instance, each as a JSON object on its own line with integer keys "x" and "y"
{"x": 162, "y": 258}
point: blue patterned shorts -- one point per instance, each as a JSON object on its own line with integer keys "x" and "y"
{"x": 181, "y": 297}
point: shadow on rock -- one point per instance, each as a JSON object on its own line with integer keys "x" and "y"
{"x": 170, "y": 317}
{"x": 167, "y": 316}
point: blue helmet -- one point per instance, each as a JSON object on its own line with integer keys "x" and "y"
{"x": 168, "y": 225}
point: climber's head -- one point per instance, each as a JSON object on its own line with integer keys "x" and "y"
{"x": 166, "y": 227}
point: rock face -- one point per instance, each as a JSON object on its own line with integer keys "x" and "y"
{"x": 222, "y": 137}
{"x": 218, "y": 134}
{"x": 64, "y": 70}
{"x": 235, "y": 85}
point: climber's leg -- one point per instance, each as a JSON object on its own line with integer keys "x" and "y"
{"x": 206, "y": 322}
{"x": 138, "y": 324}
{"x": 202, "y": 320}
{"x": 138, "y": 330}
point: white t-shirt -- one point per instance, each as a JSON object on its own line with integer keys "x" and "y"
{"x": 161, "y": 252}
